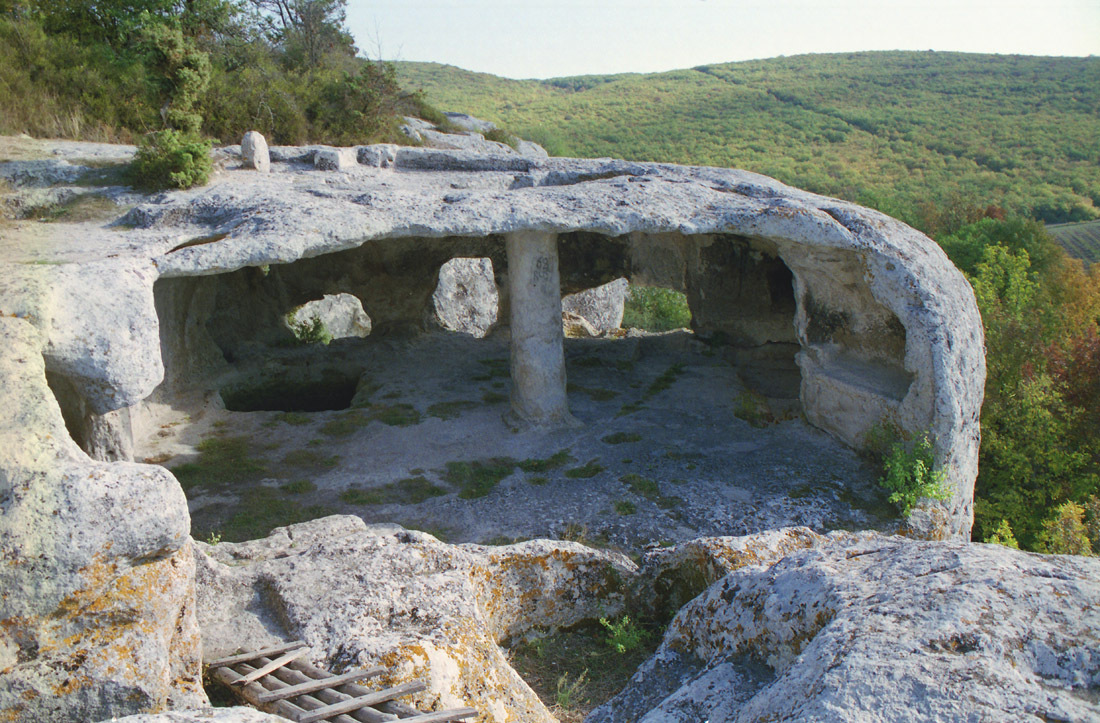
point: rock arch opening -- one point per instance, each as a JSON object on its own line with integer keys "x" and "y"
{"x": 394, "y": 413}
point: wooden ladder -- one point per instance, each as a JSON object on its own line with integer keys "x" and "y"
{"x": 278, "y": 680}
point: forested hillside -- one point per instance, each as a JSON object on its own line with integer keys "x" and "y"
{"x": 896, "y": 130}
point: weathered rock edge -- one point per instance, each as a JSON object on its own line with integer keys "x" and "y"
{"x": 97, "y": 612}
{"x": 881, "y": 629}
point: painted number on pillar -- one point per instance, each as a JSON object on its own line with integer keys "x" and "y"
{"x": 543, "y": 266}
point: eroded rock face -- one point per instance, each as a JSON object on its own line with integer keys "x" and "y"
{"x": 97, "y": 584}
{"x": 883, "y": 629}
{"x": 362, "y": 595}
{"x": 883, "y": 329}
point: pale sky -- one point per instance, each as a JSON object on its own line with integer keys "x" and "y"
{"x": 549, "y": 38}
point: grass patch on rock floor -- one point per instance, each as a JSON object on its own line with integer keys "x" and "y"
{"x": 577, "y": 670}
{"x": 451, "y": 410}
{"x": 479, "y": 477}
{"x": 411, "y": 491}
{"x": 545, "y": 465}
{"x": 262, "y": 509}
{"x": 589, "y": 469}
{"x": 221, "y": 461}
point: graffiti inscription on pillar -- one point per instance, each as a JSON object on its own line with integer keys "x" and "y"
{"x": 543, "y": 266}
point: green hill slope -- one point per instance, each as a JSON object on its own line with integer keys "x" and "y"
{"x": 1080, "y": 240}
{"x": 896, "y": 130}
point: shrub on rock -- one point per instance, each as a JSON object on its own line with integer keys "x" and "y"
{"x": 170, "y": 159}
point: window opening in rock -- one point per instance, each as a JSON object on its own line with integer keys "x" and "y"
{"x": 466, "y": 299}
{"x": 655, "y": 309}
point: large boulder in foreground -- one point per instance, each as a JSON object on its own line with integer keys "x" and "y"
{"x": 362, "y": 596}
{"x": 883, "y": 629}
{"x": 97, "y": 580}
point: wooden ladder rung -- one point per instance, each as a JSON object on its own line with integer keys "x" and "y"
{"x": 320, "y": 684}
{"x": 273, "y": 665}
{"x": 442, "y": 716}
{"x": 266, "y": 652}
{"x": 362, "y": 701}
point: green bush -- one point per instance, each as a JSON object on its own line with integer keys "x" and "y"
{"x": 170, "y": 159}
{"x": 909, "y": 475}
{"x": 1003, "y": 536}
{"x": 654, "y": 309}
{"x": 310, "y": 331}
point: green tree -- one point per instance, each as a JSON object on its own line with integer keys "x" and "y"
{"x": 308, "y": 31}
{"x": 1065, "y": 533}
{"x": 180, "y": 71}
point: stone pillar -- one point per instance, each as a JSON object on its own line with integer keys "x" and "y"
{"x": 109, "y": 437}
{"x": 538, "y": 359}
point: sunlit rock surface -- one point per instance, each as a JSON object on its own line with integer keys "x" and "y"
{"x": 881, "y": 629}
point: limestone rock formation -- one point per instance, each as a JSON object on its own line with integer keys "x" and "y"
{"x": 362, "y": 595}
{"x": 884, "y": 629}
{"x": 467, "y": 299}
{"x": 335, "y": 159}
{"x": 97, "y": 585}
{"x": 96, "y": 592}
{"x": 254, "y": 152}
{"x": 341, "y": 314}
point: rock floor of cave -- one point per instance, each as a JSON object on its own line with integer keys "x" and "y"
{"x": 660, "y": 455}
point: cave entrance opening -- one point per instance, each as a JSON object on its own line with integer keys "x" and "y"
{"x": 413, "y": 424}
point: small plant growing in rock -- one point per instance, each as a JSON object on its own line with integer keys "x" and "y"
{"x": 568, "y": 692}
{"x": 625, "y": 507}
{"x": 624, "y": 635}
{"x": 909, "y": 474}
{"x": 753, "y": 408}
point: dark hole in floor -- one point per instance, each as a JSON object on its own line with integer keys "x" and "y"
{"x": 329, "y": 394}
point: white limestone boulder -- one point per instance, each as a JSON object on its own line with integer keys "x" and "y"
{"x": 342, "y": 315}
{"x": 466, "y": 299}
{"x": 254, "y": 152}
{"x": 602, "y": 307}
{"x": 335, "y": 159}
{"x": 882, "y": 629}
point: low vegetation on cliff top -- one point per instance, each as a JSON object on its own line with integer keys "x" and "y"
{"x": 116, "y": 71}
